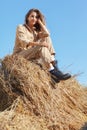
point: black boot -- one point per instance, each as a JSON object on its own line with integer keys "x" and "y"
{"x": 59, "y": 75}
{"x": 56, "y": 72}
{"x": 55, "y": 64}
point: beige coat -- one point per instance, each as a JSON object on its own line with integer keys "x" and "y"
{"x": 23, "y": 37}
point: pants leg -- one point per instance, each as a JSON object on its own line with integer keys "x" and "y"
{"x": 46, "y": 56}
{"x": 31, "y": 53}
{"x": 37, "y": 52}
{"x": 50, "y": 45}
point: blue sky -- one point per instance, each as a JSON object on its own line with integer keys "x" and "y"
{"x": 67, "y": 22}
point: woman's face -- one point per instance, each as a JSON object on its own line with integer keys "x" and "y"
{"x": 32, "y": 19}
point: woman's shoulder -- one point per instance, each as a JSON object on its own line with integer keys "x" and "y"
{"x": 21, "y": 27}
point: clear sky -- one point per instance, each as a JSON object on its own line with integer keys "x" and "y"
{"x": 67, "y": 22}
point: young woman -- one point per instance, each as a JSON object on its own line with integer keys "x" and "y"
{"x": 33, "y": 42}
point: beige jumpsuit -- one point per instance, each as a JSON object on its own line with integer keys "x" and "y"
{"x": 23, "y": 37}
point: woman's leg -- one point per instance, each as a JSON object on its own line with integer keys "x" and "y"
{"x": 31, "y": 53}
{"x": 50, "y": 46}
{"x": 46, "y": 56}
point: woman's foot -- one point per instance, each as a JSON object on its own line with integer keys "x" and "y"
{"x": 58, "y": 74}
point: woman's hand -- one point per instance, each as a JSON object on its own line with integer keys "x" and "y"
{"x": 44, "y": 29}
{"x": 39, "y": 21}
{"x": 44, "y": 44}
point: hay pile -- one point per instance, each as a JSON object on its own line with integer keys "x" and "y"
{"x": 30, "y": 99}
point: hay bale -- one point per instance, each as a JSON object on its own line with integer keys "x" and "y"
{"x": 6, "y": 95}
{"x": 61, "y": 106}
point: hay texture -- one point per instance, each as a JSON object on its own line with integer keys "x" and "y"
{"x": 31, "y": 100}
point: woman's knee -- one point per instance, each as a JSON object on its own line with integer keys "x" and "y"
{"x": 44, "y": 50}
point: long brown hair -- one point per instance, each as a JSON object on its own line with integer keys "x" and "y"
{"x": 39, "y": 15}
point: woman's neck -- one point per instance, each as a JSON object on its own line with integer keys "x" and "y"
{"x": 31, "y": 28}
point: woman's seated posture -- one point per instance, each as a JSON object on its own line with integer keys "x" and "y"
{"x": 33, "y": 41}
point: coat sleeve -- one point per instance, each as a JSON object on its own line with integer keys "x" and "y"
{"x": 21, "y": 34}
{"x": 23, "y": 37}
